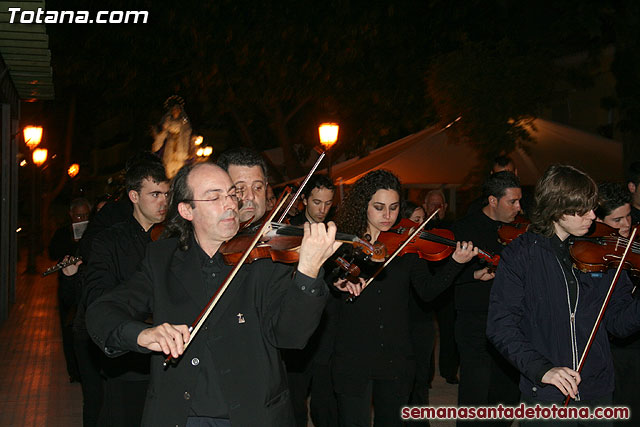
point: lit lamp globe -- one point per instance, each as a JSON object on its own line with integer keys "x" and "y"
{"x": 39, "y": 156}
{"x": 73, "y": 170}
{"x": 32, "y": 136}
{"x": 328, "y": 134}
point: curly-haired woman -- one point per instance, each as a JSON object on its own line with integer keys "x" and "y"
{"x": 373, "y": 356}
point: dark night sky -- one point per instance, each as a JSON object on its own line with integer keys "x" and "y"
{"x": 238, "y": 64}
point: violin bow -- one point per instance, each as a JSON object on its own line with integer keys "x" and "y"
{"x": 397, "y": 251}
{"x": 204, "y": 314}
{"x": 295, "y": 197}
{"x": 596, "y": 325}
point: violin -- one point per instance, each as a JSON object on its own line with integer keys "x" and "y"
{"x": 601, "y": 249}
{"x": 433, "y": 245}
{"x": 509, "y": 232}
{"x": 282, "y": 241}
{"x": 157, "y": 230}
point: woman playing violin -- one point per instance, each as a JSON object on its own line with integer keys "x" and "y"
{"x": 542, "y": 310}
{"x": 373, "y": 355}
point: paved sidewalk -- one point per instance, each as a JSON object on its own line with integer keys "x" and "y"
{"x": 34, "y": 385}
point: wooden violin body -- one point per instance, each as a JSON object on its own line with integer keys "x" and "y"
{"x": 509, "y": 232}
{"x": 282, "y": 243}
{"x": 433, "y": 245}
{"x": 601, "y": 249}
{"x": 425, "y": 249}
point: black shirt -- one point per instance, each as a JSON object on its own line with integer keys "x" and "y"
{"x": 472, "y": 294}
{"x": 561, "y": 249}
{"x": 208, "y": 400}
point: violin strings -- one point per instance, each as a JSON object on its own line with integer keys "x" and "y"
{"x": 622, "y": 241}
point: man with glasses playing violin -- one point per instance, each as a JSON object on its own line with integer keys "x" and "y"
{"x": 543, "y": 309}
{"x": 231, "y": 373}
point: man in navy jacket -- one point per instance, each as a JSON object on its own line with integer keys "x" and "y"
{"x": 542, "y": 309}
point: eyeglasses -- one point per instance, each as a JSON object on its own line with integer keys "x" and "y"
{"x": 219, "y": 199}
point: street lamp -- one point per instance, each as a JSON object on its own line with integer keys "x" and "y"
{"x": 40, "y": 156}
{"x": 32, "y": 136}
{"x": 73, "y": 170}
{"x": 204, "y": 151}
{"x": 328, "y": 133}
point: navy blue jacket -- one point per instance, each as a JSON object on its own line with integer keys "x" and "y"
{"x": 529, "y": 318}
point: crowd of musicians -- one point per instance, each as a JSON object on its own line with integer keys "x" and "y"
{"x": 286, "y": 340}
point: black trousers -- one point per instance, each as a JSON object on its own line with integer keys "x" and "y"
{"x": 123, "y": 402}
{"x": 626, "y": 361}
{"x": 486, "y": 378}
{"x": 324, "y": 407}
{"x": 423, "y": 339}
{"x": 67, "y": 311}
{"x": 88, "y": 357}
{"x": 388, "y": 397}
{"x": 314, "y": 381}
{"x": 449, "y": 359}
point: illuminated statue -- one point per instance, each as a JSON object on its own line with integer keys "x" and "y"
{"x": 173, "y": 140}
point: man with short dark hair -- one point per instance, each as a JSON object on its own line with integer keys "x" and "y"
{"x": 115, "y": 255}
{"x": 486, "y": 378}
{"x": 231, "y": 373}
{"x": 248, "y": 171}
{"x": 308, "y": 370}
{"x": 501, "y": 163}
{"x": 317, "y": 197}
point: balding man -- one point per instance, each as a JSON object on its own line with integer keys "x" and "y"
{"x": 231, "y": 373}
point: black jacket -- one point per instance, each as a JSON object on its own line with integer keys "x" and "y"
{"x": 116, "y": 253}
{"x": 373, "y": 334}
{"x": 472, "y": 294}
{"x": 529, "y": 321}
{"x": 279, "y": 309}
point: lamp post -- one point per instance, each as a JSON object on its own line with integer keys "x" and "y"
{"x": 32, "y": 138}
{"x": 328, "y": 133}
{"x": 204, "y": 151}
